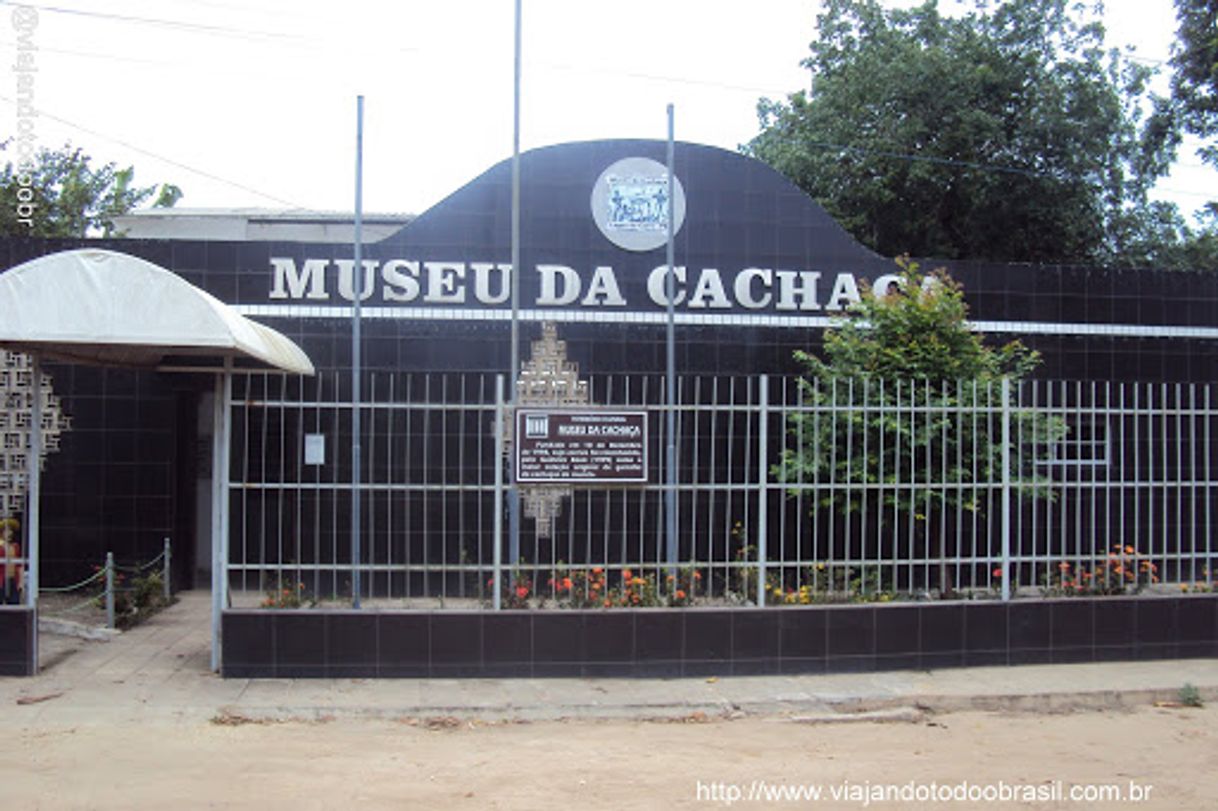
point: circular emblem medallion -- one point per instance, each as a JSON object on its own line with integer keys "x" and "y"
{"x": 630, "y": 204}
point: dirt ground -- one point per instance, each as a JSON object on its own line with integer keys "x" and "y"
{"x": 1169, "y": 753}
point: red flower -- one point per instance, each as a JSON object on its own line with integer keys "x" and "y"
{"x": 522, "y": 591}
{"x": 997, "y": 572}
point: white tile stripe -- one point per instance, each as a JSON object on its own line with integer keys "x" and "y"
{"x": 704, "y": 319}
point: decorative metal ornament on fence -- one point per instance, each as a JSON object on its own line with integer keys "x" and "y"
{"x": 17, "y": 390}
{"x": 548, "y": 378}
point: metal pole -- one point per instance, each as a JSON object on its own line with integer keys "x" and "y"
{"x": 218, "y": 561}
{"x": 1006, "y": 489}
{"x": 514, "y": 493}
{"x": 167, "y": 591}
{"x": 763, "y": 408}
{"x": 226, "y": 447}
{"x": 670, "y": 456}
{"x": 109, "y": 589}
{"x": 497, "y": 559}
{"x": 33, "y": 502}
{"x": 356, "y": 359}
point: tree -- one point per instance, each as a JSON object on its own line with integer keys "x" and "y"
{"x": 60, "y": 194}
{"x": 900, "y": 423}
{"x": 1007, "y": 133}
{"x": 1195, "y": 59}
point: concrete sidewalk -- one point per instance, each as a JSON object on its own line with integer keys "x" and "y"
{"x": 159, "y": 671}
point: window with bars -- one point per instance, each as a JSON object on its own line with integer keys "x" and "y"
{"x": 1085, "y": 445}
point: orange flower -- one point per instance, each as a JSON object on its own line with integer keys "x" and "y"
{"x": 595, "y": 587}
{"x": 697, "y": 575}
{"x": 608, "y": 603}
{"x": 627, "y": 574}
{"x": 671, "y": 578}
{"x": 566, "y": 583}
{"x": 637, "y": 581}
{"x": 680, "y": 595}
{"x": 597, "y": 570}
{"x": 1064, "y": 566}
{"x": 1129, "y": 550}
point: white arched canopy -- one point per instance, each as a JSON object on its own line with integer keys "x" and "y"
{"x": 99, "y": 306}
{"x": 105, "y": 307}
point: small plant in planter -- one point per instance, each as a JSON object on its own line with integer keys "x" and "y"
{"x": 684, "y": 586}
{"x": 635, "y": 591}
{"x": 517, "y": 592}
{"x": 833, "y": 583}
{"x": 579, "y": 588}
{"x": 1123, "y": 571}
{"x": 284, "y": 592}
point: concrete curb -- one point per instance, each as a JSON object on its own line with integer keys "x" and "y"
{"x": 1040, "y": 702}
{"x": 896, "y": 709}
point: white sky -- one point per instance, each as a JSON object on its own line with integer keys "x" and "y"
{"x": 253, "y": 103}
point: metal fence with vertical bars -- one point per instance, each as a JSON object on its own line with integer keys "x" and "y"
{"x": 786, "y": 491}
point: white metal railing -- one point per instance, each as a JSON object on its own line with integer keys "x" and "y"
{"x": 787, "y": 492}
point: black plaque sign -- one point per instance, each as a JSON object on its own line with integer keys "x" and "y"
{"x": 568, "y": 446}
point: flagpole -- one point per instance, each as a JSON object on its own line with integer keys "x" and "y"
{"x": 357, "y": 286}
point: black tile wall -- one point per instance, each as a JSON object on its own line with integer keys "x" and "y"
{"x": 692, "y": 642}
{"x": 850, "y": 632}
{"x": 16, "y": 641}
{"x": 802, "y": 635}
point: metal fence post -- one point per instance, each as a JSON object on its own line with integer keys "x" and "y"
{"x": 109, "y": 589}
{"x": 763, "y": 415}
{"x": 166, "y": 590}
{"x": 497, "y": 555}
{"x": 1006, "y": 489}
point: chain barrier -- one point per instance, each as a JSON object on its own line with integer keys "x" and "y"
{"x": 109, "y": 576}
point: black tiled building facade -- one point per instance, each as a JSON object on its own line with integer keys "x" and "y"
{"x": 764, "y": 266}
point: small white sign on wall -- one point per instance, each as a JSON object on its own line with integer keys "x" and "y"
{"x": 315, "y": 449}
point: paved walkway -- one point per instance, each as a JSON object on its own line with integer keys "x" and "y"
{"x": 159, "y": 670}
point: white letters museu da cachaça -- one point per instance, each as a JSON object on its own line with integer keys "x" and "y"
{"x": 442, "y": 283}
